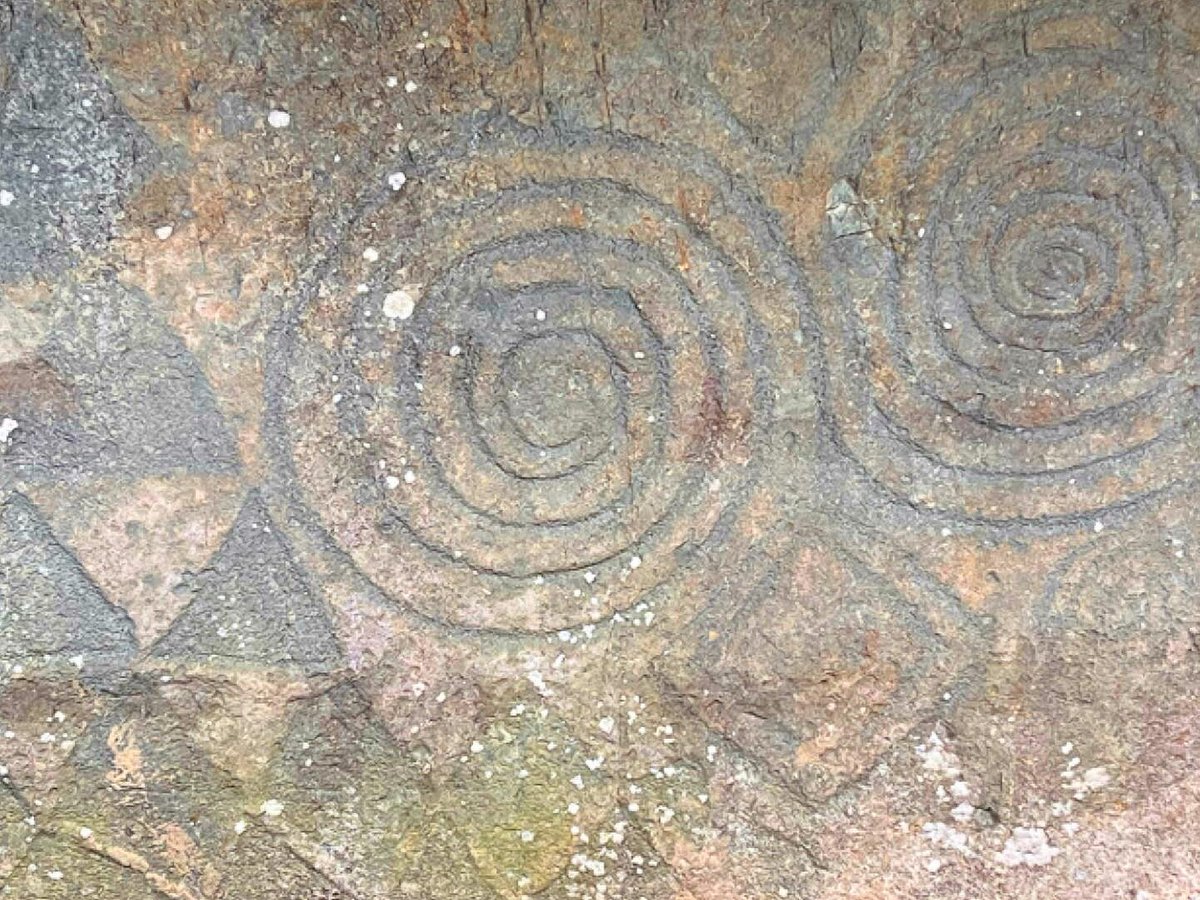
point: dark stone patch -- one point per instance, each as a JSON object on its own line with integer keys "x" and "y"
{"x": 58, "y": 115}
{"x": 112, "y": 392}
{"x": 49, "y": 609}
{"x": 253, "y": 606}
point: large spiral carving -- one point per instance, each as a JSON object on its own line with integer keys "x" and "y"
{"x": 551, "y": 378}
{"x": 1016, "y": 342}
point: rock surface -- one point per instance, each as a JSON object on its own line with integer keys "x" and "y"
{"x": 648, "y": 449}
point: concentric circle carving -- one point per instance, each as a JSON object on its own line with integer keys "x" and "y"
{"x": 1018, "y": 344}
{"x": 542, "y": 366}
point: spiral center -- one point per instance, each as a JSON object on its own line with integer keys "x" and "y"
{"x": 558, "y": 389}
{"x": 1057, "y": 275}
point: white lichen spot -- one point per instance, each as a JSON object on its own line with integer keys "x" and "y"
{"x": 7, "y": 427}
{"x": 162, "y": 232}
{"x": 85, "y": 833}
{"x": 239, "y": 827}
{"x": 410, "y": 86}
{"x": 943, "y": 835}
{"x": 399, "y": 304}
{"x": 7, "y": 198}
{"x": 392, "y": 482}
{"x": 935, "y": 757}
{"x": 1027, "y": 847}
{"x": 607, "y": 724}
{"x": 371, "y": 255}
{"x": 963, "y": 812}
{"x": 271, "y": 808}
{"x": 396, "y": 180}
{"x": 279, "y": 118}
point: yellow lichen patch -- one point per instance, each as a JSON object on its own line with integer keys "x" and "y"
{"x": 510, "y": 806}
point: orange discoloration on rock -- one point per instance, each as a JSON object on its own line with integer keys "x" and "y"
{"x": 984, "y": 576}
{"x": 703, "y": 870}
{"x": 127, "y": 772}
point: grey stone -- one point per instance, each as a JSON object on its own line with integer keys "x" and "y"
{"x": 253, "y": 607}
{"x": 68, "y": 151}
{"x": 50, "y": 611}
{"x": 112, "y": 391}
